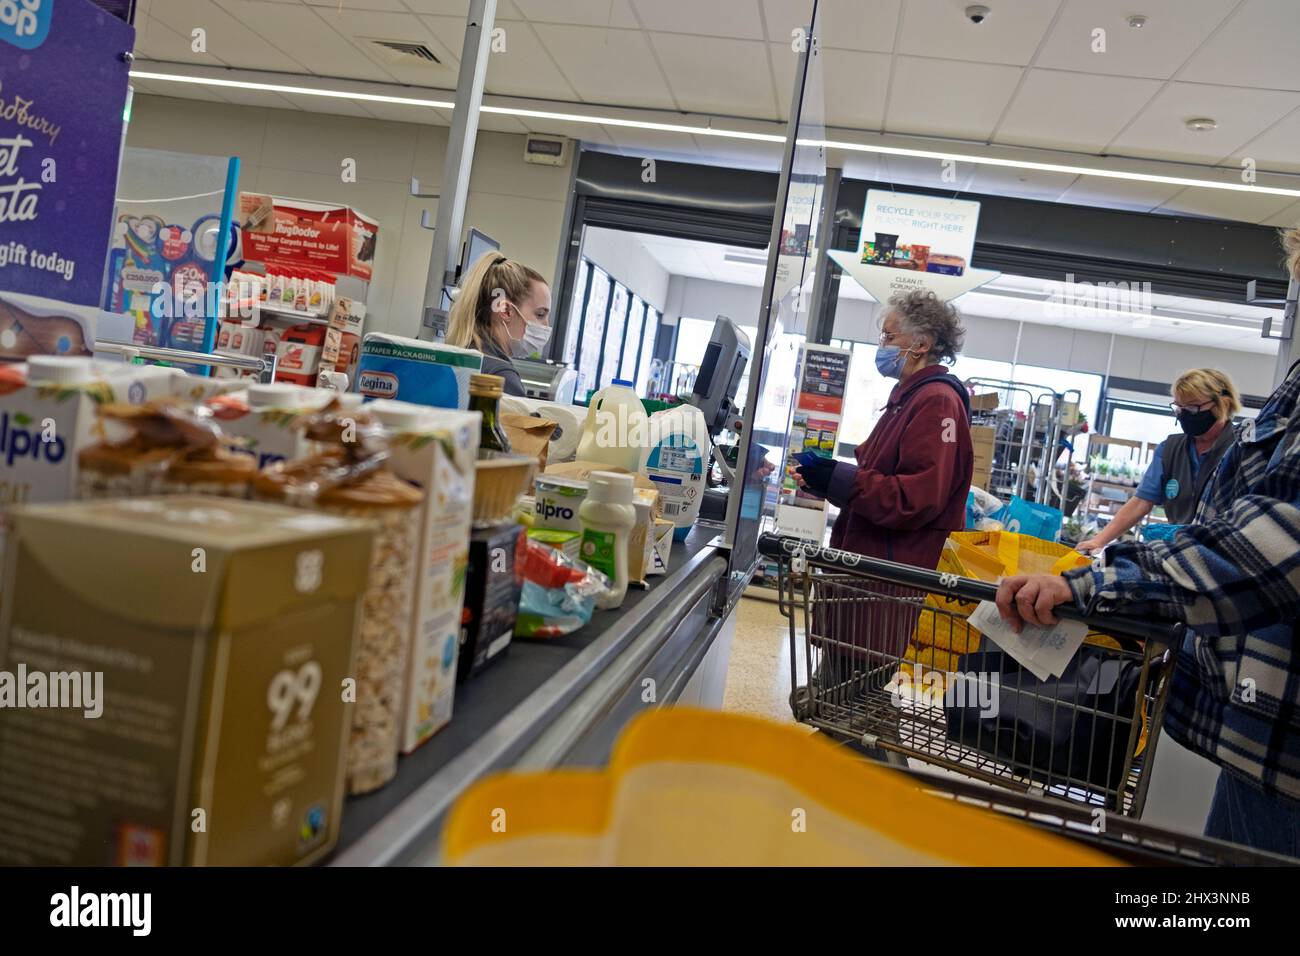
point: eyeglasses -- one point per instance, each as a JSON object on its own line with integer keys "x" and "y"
{"x": 1198, "y": 407}
{"x": 887, "y": 337}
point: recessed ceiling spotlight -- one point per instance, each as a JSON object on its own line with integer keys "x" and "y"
{"x": 1137, "y": 21}
{"x": 1202, "y": 124}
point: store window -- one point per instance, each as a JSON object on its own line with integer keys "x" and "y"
{"x": 1134, "y": 421}
{"x": 612, "y": 332}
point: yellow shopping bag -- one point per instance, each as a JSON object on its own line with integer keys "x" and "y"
{"x": 701, "y": 788}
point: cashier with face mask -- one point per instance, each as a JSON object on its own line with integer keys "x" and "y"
{"x": 503, "y": 310}
{"x": 1184, "y": 463}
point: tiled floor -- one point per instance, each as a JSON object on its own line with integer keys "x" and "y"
{"x": 758, "y": 674}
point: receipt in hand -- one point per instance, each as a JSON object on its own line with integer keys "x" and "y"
{"x": 1043, "y": 651}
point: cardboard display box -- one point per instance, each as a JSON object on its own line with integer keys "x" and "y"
{"x": 221, "y": 633}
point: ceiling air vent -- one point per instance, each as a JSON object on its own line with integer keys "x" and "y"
{"x": 400, "y": 50}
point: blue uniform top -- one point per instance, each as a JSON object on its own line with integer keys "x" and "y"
{"x": 1153, "y": 484}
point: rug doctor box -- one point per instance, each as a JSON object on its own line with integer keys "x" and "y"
{"x": 412, "y": 370}
{"x": 224, "y": 631}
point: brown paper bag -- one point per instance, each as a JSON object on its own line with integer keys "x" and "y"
{"x": 529, "y": 435}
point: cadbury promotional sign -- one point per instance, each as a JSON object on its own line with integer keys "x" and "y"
{"x": 63, "y": 88}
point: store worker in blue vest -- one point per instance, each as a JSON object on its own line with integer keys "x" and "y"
{"x": 1184, "y": 463}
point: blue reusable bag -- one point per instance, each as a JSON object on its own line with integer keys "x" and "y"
{"x": 1031, "y": 518}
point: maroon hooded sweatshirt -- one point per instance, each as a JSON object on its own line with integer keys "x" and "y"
{"x": 909, "y": 488}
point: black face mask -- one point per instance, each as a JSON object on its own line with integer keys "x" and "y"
{"x": 1197, "y": 423}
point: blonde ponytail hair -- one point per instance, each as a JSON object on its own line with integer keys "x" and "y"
{"x": 469, "y": 325}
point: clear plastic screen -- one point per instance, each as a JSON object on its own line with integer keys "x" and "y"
{"x": 792, "y": 255}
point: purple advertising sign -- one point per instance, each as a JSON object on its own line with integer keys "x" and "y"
{"x": 63, "y": 86}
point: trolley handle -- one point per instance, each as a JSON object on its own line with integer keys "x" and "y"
{"x": 953, "y": 586}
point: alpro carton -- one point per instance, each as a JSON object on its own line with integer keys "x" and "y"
{"x": 434, "y": 449}
{"x": 48, "y": 413}
{"x": 220, "y": 634}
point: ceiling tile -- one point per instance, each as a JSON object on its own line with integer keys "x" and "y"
{"x": 392, "y": 6}
{"x": 1276, "y": 149}
{"x": 853, "y": 85}
{"x": 939, "y": 28}
{"x": 1160, "y": 131}
{"x": 1025, "y": 183}
{"x": 946, "y": 98}
{"x": 1175, "y": 28}
{"x": 1224, "y": 204}
{"x": 227, "y": 39}
{"x": 713, "y": 75}
{"x": 867, "y": 25}
{"x": 308, "y": 32}
{"x": 1288, "y": 216}
{"x": 1072, "y": 111}
{"x": 155, "y": 40}
{"x": 716, "y": 18}
{"x": 607, "y": 66}
{"x": 359, "y": 27}
{"x": 593, "y": 13}
{"x": 1118, "y": 193}
{"x": 522, "y": 68}
{"x": 1259, "y": 46}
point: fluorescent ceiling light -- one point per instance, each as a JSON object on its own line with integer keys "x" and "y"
{"x": 561, "y": 117}
{"x": 1053, "y": 167}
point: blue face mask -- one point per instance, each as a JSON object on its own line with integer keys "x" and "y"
{"x": 890, "y": 360}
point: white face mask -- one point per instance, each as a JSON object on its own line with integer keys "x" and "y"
{"x": 534, "y": 339}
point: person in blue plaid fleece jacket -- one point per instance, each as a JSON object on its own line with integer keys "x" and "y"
{"x": 1234, "y": 578}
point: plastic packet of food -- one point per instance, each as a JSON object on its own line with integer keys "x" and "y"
{"x": 558, "y": 593}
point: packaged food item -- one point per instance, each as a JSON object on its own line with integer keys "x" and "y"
{"x": 557, "y": 502}
{"x": 484, "y": 397}
{"x": 945, "y": 264}
{"x": 569, "y": 542}
{"x": 412, "y": 370}
{"x": 216, "y": 691}
{"x": 266, "y": 419}
{"x": 608, "y": 516}
{"x": 884, "y": 248}
{"x": 663, "y": 537}
{"x": 47, "y": 416}
{"x": 161, "y": 447}
{"x": 641, "y": 540}
{"x": 351, "y": 479}
{"x": 297, "y": 356}
{"x": 433, "y": 449}
{"x": 491, "y": 596}
{"x": 558, "y": 593}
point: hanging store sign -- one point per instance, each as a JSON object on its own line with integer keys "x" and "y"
{"x": 910, "y": 242}
{"x": 60, "y": 139}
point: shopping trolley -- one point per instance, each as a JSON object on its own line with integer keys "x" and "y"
{"x": 886, "y": 660}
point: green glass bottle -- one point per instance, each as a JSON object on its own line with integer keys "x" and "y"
{"x": 485, "y": 397}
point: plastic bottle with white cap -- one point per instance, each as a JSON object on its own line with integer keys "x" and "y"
{"x": 60, "y": 369}
{"x": 608, "y": 515}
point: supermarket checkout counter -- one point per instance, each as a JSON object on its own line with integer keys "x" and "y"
{"x": 551, "y": 703}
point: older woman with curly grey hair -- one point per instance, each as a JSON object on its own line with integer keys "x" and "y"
{"x": 909, "y": 487}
